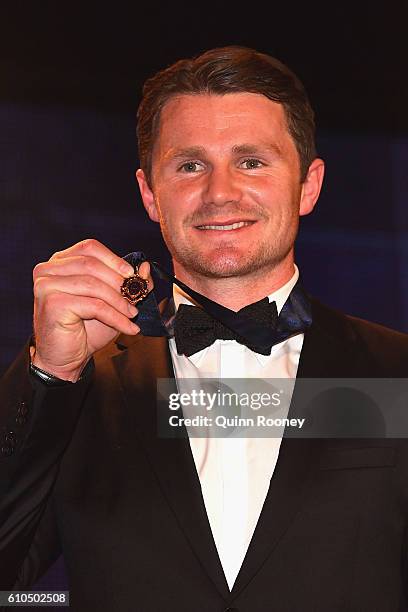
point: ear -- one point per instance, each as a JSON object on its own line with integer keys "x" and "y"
{"x": 311, "y": 186}
{"x": 147, "y": 196}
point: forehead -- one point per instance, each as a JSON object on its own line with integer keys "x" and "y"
{"x": 205, "y": 118}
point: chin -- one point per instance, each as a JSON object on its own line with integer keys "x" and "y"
{"x": 222, "y": 264}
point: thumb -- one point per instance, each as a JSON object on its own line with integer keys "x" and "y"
{"x": 144, "y": 272}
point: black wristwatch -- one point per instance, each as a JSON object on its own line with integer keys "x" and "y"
{"x": 52, "y": 381}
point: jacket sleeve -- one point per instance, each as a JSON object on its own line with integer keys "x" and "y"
{"x": 36, "y": 425}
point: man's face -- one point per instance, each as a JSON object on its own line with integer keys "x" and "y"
{"x": 225, "y": 184}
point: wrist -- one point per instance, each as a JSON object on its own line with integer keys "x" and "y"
{"x": 48, "y": 372}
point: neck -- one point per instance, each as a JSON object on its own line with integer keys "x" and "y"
{"x": 235, "y": 292}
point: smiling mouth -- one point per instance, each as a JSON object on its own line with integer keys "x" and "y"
{"x": 229, "y": 227}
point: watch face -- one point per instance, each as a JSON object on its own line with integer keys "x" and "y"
{"x": 134, "y": 288}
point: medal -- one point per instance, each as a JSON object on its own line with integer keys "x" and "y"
{"x": 134, "y": 288}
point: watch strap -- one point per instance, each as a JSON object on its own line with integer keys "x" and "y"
{"x": 53, "y": 381}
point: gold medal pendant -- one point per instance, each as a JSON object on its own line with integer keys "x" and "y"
{"x": 134, "y": 288}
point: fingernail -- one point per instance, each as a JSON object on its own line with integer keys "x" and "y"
{"x": 126, "y": 269}
{"x": 132, "y": 309}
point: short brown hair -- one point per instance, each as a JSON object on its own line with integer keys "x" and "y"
{"x": 228, "y": 70}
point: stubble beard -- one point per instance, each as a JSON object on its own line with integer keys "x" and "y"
{"x": 230, "y": 262}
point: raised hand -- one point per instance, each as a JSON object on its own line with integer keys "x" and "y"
{"x": 78, "y": 306}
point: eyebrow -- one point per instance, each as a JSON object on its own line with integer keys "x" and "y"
{"x": 241, "y": 149}
{"x": 188, "y": 152}
{"x": 252, "y": 149}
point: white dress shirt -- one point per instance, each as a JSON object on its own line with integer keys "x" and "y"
{"x": 235, "y": 472}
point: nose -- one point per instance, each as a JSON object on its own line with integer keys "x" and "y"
{"x": 221, "y": 187}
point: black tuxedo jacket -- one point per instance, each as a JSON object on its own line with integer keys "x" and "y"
{"x": 84, "y": 472}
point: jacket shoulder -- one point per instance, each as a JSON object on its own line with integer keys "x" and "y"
{"x": 387, "y": 347}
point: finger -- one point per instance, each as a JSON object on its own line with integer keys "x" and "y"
{"x": 79, "y": 265}
{"x": 94, "y": 248}
{"x": 144, "y": 272}
{"x": 87, "y": 309}
{"x": 83, "y": 285}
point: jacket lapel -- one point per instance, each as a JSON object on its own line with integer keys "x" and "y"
{"x": 324, "y": 355}
{"x": 138, "y": 368}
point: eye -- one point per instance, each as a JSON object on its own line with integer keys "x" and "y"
{"x": 251, "y": 164}
{"x": 190, "y": 166}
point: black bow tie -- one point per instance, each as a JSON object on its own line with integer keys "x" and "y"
{"x": 195, "y": 329}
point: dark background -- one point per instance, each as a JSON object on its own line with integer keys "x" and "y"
{"x": 70, "y": 82}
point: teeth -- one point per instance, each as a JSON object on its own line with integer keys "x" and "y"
{"x": 224, "y": 227}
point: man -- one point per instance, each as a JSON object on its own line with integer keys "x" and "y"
{"x": 149, "y": 523}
